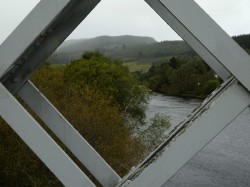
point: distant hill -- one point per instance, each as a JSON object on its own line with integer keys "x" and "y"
{"x": 130, "y": 48}
{"x": 73, "y": 49}
{"x": 106, "y": 42}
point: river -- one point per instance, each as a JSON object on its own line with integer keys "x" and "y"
{"x": 176, "y": 108}
{"x": 224, "y": 162}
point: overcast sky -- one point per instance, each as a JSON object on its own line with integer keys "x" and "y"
{"x": 133, "y": 17}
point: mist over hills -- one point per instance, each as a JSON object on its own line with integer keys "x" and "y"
{"x": 104, "y": 42}
{"x": 130, "y": 48}
{"x": 73, "y": 49}
{"x": 127, "y": 48}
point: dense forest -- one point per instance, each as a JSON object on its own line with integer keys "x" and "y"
{"x": 182, "y": 77}
{"x": 103, "y": 101}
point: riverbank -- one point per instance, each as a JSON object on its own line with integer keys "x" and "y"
{"x": 185, "y": 96}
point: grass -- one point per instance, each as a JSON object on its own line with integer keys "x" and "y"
{"x": 134, "y": 66}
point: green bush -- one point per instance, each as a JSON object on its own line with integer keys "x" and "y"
{"x": 210, "y": 86}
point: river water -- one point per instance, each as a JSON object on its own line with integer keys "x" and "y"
{"x": 176, "y": 108}
{"x": 224, "y": 162}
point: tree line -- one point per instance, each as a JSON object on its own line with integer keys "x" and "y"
{"x": 187, "y": 77}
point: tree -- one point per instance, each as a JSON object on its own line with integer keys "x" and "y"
{"x": 93, "y": 113}
{"x": 185, "y": 77}
{"x": 90, "y": 108}
{"x": 19, "y": 165}
{"x": 248, "y": 51}
{"x": 156, "y": 132}
{"x": 173, "y": 62}
{"x": 112, "y": 79}
{"x": 210, "y": 86}
{"x": 91, "y": 93}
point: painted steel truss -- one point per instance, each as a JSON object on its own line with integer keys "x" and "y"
{"x": 33, "y": 41}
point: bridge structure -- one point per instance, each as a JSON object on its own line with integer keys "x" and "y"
{"x": 47, "y": 26}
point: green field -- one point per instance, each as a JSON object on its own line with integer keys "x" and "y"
{"x": 134, "y": 66}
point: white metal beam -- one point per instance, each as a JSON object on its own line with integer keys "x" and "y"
{"x": 68, "y": 135}
{"x": 40, "y": 142}
{"x": 206, "y": 37}
{"x": 38, "y": 36}
{"x": 36, "y": 41}
{"x": 30, "y": 28}
{"x": 224, "y": 56}
{"x": 182, "y": 28}
{"x": 57, "y": 19}
{"x": 191, "y": 137}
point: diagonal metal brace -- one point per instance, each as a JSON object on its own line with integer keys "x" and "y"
{"x": 227, "y": 59}
{"x": 40, "y": 142}
{"x": 38, "y": 36}
{"x": 68, "y": 135}
{"x": 41, "y": 32}
{"x": 206, "y": 37}
{"x": 191, "y": 136}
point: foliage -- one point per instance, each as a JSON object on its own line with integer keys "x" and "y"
{"x": 91, "y": 94}
{"x": 92, "y": 107}
{"x": 185, "y": 77}
{"x": 112, "y": 79}
{"x": 19, "y": 166}
{"x": 243, "y": 40}
{"x": 93, "y": 113}
{"x": 248, "y": 51}
{"x": 156, "y": 132}
{"x": 136, "y": 67}
{"x": 210, "y": 86}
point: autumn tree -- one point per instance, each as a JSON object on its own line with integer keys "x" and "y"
{"x": 103, "y": 101}
{"x": 96, "y": 111}
{"x": 112, "y": 79}
{"x": 94, "y": 114}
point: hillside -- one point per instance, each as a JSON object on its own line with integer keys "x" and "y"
{"x": 133, "y": 49}
{"x": 73, "y": 49}
{"x": 127, "y": 48}
{"x": 107, "y": 42}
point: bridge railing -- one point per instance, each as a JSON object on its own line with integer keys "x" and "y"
{"x": 30, "y": 47}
